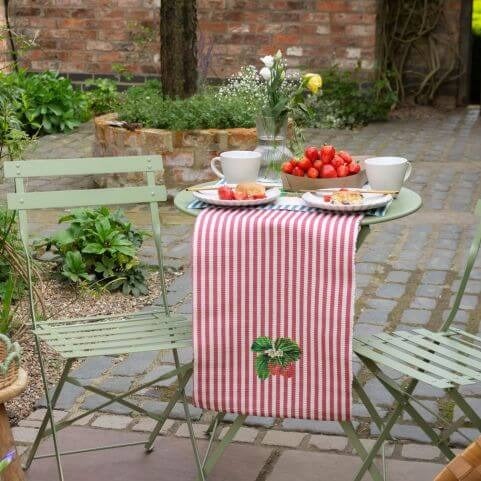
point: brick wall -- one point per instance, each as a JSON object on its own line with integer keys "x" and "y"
{"x": 90, "y": 36}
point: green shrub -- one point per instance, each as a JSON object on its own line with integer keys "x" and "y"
{"x": 46, "y": 102}
{"x": 100, "y": 247}
{"x": 346, "y": 102}
{"x": 11, "y": 285}
{"x": 102, "y": 95}
{"x": 146, "y": 105}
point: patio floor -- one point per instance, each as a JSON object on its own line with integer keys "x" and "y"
{"x": 406, "y": 276}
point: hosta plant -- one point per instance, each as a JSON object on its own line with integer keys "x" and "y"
{"x": 100, "y": 247}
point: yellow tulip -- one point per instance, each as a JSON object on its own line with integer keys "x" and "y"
{"x": 314, "y": 82}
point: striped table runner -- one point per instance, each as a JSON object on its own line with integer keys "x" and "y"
{"x": 273, "y": 311}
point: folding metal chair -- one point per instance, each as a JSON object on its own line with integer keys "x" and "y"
{"x": 102, "y": 335}
{"x": 447, "y": 359}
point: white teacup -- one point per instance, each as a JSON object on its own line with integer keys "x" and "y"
{"x": 387, "y": 173}
{"x": 237, "y": 166}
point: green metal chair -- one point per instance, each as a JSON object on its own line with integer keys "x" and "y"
{"x": 447, "y": 359}
{"x": 103, "y": 335}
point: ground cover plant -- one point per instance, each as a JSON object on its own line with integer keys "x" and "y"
{"x": 46, "y": 102}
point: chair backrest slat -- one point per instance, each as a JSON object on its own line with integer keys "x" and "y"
{"x": 90, "y": 166}
{"x": 87, "y": 197}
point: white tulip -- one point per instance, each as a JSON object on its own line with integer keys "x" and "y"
{"x": 268, "y": 61}
{"x": 265, "y": 73}
{"x": 278, "y": 55}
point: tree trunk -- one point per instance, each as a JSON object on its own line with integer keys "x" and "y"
{"x": 178, "y": 50}
{"x": 8, "y": 55}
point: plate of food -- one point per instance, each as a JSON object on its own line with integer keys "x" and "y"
{"x": 346, "y": 200}
{"x": 240, "y": 195}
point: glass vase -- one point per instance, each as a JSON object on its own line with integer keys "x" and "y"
{"x": 272, "y": 145}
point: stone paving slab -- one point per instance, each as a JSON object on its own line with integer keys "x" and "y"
{"x": 171, "y": 459}
{"x": 306, "y": 466}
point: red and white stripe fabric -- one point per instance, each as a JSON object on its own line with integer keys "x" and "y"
{"x": 279, "y": 274}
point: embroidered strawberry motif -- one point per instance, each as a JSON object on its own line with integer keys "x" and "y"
{"x": 275, "y": 369}
{"x": 288, "y": 371}
{"x": 275, "y": 358}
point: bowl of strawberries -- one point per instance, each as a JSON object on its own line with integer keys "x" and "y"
{"x": 323, "y": 167}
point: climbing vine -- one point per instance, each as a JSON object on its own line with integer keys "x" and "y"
{"x": 418, "y": 48}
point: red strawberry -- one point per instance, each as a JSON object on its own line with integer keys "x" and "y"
{"x": 337, "y": 161}
{"x": 342, "y": 171}
{"x": 305, "y": 164}
{"x": 326, "y": 153}
{"x": 311, "y": 153}
{"x": 354, "y": 168}
{"x": 225, "y": 193}
{"x": 346, "y": 156}
{"x": 298, "y": 171}
{"x": 328, "y": 171}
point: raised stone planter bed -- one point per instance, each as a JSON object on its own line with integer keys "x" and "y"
{"x": 187, "y": 154}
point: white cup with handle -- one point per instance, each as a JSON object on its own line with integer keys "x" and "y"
{"x": 237, "y": 166}
{"x": 387, "y": 173}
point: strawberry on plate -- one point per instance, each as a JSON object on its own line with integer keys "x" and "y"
{"x": 225, "y": 193}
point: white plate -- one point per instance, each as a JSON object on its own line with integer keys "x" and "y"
{"x": 370, "y": 201}
{"x": 212, "y": 197}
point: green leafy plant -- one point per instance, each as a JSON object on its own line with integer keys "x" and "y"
{"x": 6, "y": 307}
{"x": 275, "y": 357}
{"x": 99, "y": 246}
{"x": 347, "y": 102}
{"x": 46, "y": 102}
{"x": 11, "y": 285}
{"x": 102, "y": 95}
{"x": 146, "y": 105}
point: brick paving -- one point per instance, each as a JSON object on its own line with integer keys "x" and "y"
{"x": 407, "y": 272}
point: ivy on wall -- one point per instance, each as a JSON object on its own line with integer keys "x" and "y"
{"x": 418, "y": 48}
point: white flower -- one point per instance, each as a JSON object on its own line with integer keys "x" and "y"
{"x": 278, "y": 55}
{"x": 265, "y": 73}
{"x": 268, "y": 61}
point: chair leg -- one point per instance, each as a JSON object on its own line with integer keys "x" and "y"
{"x": 50, "y": 407}
{"x": 368, "y": 403}
{"x": 211, "y": 460}
{"x": 172, "y": 401}
{"x": 360, "y": 449}
{"x": 48, "y": 414}
{"x": 465, "y": 407}
{"x": 436, "y": 439}
{"x": 188, "y": 418}
{"x": 215, "y": 422}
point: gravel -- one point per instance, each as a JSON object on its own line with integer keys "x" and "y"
{"x": 63, "y": 301}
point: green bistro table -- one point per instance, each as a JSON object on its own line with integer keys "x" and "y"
{"x": 406, "y": 203}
